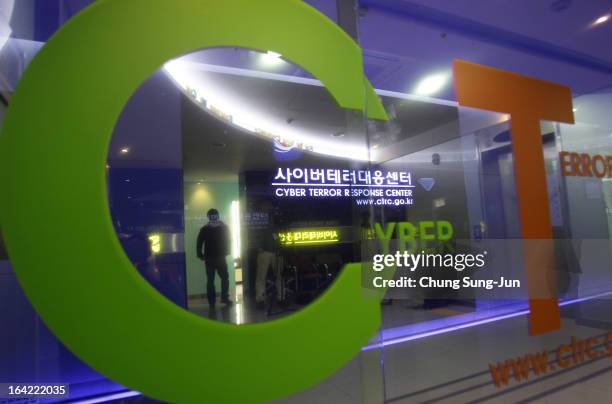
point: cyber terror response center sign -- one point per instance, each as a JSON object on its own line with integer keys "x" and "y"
{"x": 368, "y": 187}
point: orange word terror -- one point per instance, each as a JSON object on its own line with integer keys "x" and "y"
{"x": 585, "y": 165}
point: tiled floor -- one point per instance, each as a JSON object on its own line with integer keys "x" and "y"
{"x": 242, "y": 312}
{"x": 245, "y": 311}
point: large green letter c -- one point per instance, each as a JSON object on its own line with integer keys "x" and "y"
{"x": 56, "y": 221}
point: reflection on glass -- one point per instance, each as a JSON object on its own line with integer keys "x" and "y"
{"x": 262, "y": 196}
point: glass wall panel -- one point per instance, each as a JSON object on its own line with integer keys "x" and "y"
{"x": 29, "y": 352}
{"x": 475, "y": 345}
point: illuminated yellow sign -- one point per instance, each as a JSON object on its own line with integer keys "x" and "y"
{"x": 308, "y": 236}
{"x": 155, "y": 240}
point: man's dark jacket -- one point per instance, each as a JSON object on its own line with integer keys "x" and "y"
{"x": 215, "y": 238}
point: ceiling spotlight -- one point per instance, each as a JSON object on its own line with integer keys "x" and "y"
{"x": 601, "y": 19}
{"x": 125, "y": 150}
{"x": 432, "y": 84}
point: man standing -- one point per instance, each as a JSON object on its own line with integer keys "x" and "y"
{"x": 214, "y": 237}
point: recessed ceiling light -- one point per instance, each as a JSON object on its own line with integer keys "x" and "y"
{"x": 125, "y": 150}
{"x": 432, "y": 84}
{"x": 601, "y": 19}
{"x": 272, "y": 59}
